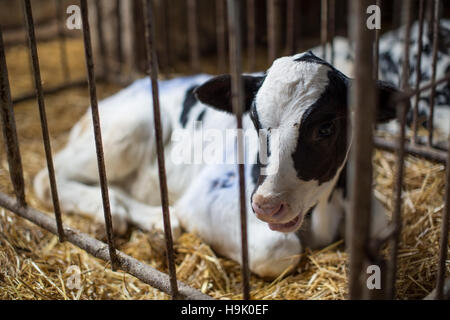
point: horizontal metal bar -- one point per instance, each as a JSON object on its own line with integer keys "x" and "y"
{"x": 51, "y": 90}
{"x": 98, "y": 249}
{"x": 41, "y": 38}
{"x": 425, "y": 152}
{"x": 411, "y": 93}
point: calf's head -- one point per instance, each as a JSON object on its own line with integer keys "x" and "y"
{"x": 304, "y": 99}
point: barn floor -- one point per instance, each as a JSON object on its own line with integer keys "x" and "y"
{"x": 34, "y": 265}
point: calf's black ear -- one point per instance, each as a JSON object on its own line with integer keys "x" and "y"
{"x": 388, "y": 97}
{"x": 216, "y": 92}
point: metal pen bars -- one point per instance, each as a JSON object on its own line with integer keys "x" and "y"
{"x": 366, "y": 43}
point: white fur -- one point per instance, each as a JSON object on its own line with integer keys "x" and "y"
{"x": 289, "y": 90}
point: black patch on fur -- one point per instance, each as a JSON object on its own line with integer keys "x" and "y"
{"x": 188, "y": 103}
{"x": 201, "y": 115}
{"x": 388, "y": 64}
{"x": 320, "y": 159}
{"x": 223, "y": 182}
{"x": 254, "y": 116}
{"x": 257, "y": 177}
{"x": 255, "y": 173}
{"x": 312, "y": 58}
{"x": 216, "y": 92}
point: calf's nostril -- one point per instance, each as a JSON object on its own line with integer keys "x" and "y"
{"x": 266, "y": 210}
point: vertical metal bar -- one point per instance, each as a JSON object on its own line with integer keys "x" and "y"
{"x": 166, "y": 38}
{"x": 237, "y": 103}
{"x": 400, "y": 159}
{"x": 362, "y": 102}
{"x": 433, "y": 70}
{"x": 272, "y": 29}
{"x": 193, "y": 35}
{"x": 429, "y": 15}
{"x": 418, "y": 68}
{"x": 298, "y": 30}
{"x": 119, "y": 43}
{"x": 324, "y": 27}
{"x": 376, "y": 49}
{"x": 290, "y": 26}
{"x": 444, "y": 232}
{"x": 153, "y": 69}
{"x": 62, "y": 39}
{"x": 397, "y": 7}
{"x": 101, "y": 39}
{"x": 220, "y": 33}
{"x": 30, "y": 64}
{"x": 332, "y": 28}
{"x": 98, "y": 133}
{"x": 9, "y": 129}
{"x": 42, "y": 114}
{"x": 251, "y": 35}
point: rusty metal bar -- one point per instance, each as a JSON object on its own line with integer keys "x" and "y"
{"x": 43, "y": 115}
{"x": 153, "y": 70}
{"x": 362, "y": 102}
{"x": 101, "y": 39}
{"x": 433, "y": 70}
{"x": 332, "y": 28}
{"x": 397, "y": 8}
{"x": 324, "y": 27}
{"x": 193, "y": 35}
{"x": 251, "y": 35}
{"x": 376, "y": 49}
{"x": 166, "y": 37}
{"x": 99, "y": 250}
{"x": 444, "y": 232}
{"x": 98, "y": 133}
{"x": 62, "y": 39}
{"x": 290, "y": 26}
{"x": 419, "y": 68}
{"x": 425, "y": 152}
{"x": 272, "y": 29}
{"x": 401, "y": 114}
{"x": 221, "y": 37}
{"x": 237, "y": 104}
{"x": 411, "y": 93}
{"x": 119, "y": 43}
{"x": 9, "y": 129}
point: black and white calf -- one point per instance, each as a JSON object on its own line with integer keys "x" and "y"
{"x": 301, "y": 97}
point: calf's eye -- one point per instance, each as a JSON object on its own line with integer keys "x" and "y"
{"x": 326, "y": 129}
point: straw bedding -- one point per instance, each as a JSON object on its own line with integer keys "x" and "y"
{"x": 34, "y": 265}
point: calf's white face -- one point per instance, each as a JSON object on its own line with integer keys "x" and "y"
{"x": 304, "y": 100}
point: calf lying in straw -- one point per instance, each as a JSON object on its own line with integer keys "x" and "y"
{"x": 299, "y": 110}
